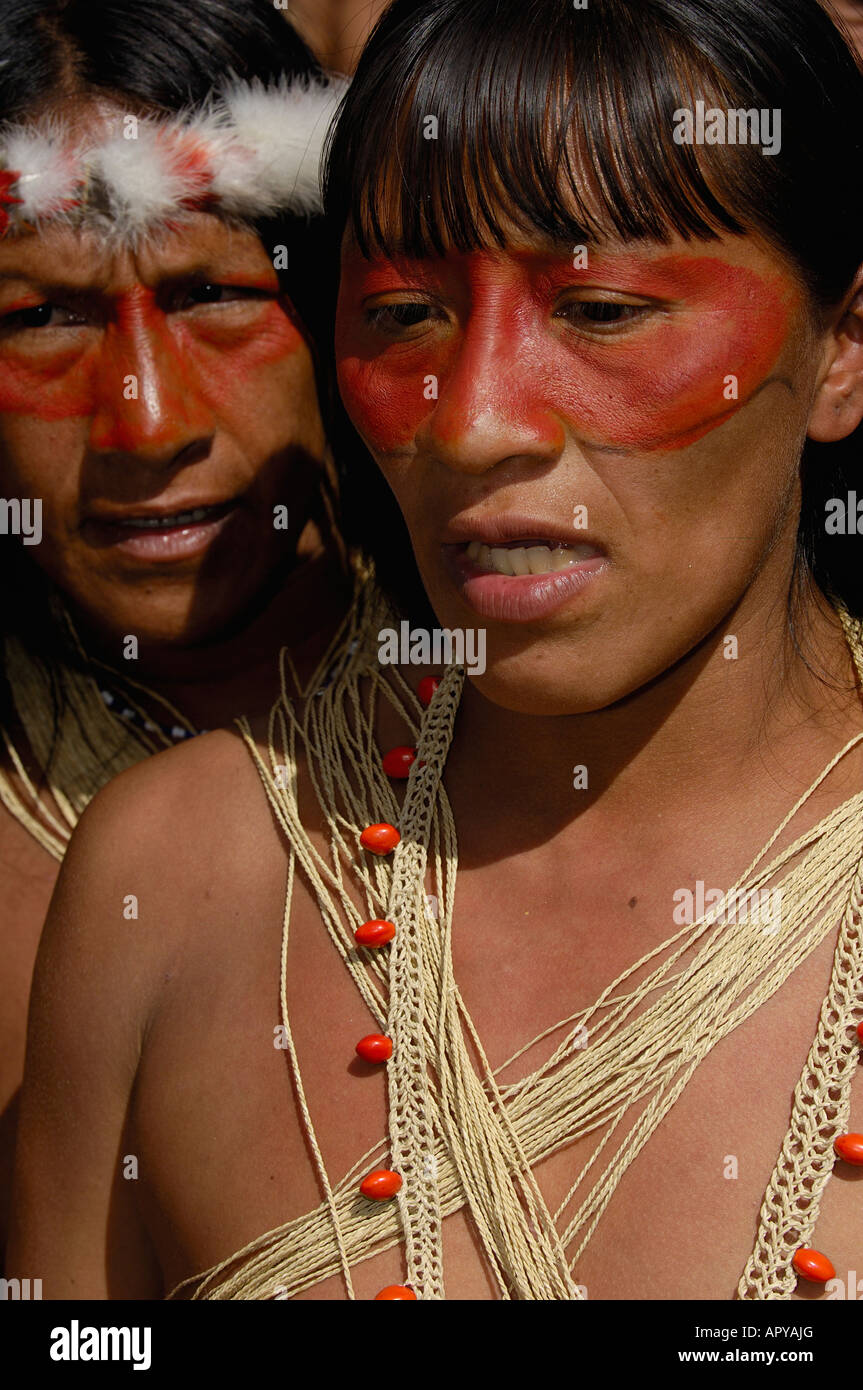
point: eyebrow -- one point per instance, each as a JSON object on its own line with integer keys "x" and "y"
{"x": 51, "y": 285}
{"x": 202, "y": 272}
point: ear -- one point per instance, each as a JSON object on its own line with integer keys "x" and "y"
{"x": 838, "y": 405}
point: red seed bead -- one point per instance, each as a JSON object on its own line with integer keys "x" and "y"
{"x": 426, "y": 689}
{"x": 380, "y": 839}
{"x": 812, "y": 1265}
{"x": 398, "y": 1292}
{"x": 375, "y": 1048}
{"x": 860, "y": 1031}
{"x": 398, "y": 761}
{"x": 374, "y": 933}
{"x": 850, "y": 1147}
{"x": 380, "y": 1184}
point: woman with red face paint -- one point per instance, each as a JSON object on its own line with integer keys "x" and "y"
{"x": 163, "y": 460}
{"x": 606, "y": 365}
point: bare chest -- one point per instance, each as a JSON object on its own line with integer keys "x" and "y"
{"x": 226, "y": 1153}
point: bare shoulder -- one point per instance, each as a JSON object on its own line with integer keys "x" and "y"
{"x": 185, "y": 780}
{"x": 180, "y": 832}
{"x": 161, "y": 861}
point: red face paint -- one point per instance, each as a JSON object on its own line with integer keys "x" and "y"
{"x": 499, "y": 348}
{"x": 187, "y": 366}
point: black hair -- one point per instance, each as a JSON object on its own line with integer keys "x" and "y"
{"x": 562, "y": 120}
{"x": 159, "y": 57}
{"x": 155, "y": 51}
{"x": 151, "y": 55}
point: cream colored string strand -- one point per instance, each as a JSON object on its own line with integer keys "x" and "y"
{"x": 638, "y": 1070}
{"x": 286, "y": 1252}
{"x": 410, "y": 1124}
{"x": 629, "y": 1044}
{"x": 520, "y": 1226}
{"x": 323, "y": 1176}
{"x": 820, "y": 1113}
{"x": 296, "y": 1241}
{"x": 689, "y": 934}
{"x": 612, "y": 1176}
{"x": 637, "y": 1052}
{"x": 773, "y": 866}
{"x": 287, "y": 814}
{"x": 772, "y": 840}
{"x": 793, "y": 1196}
{"x": 692, "y": 1053}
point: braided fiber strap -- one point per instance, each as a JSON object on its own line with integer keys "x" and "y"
{"x": 821, "y": 1108}
{"x": 459, "y": 1137}
{"x": 412, "y": 1139}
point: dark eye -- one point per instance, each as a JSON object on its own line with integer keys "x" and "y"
{"x": 191, "y": 296}
{"x": 408, "y": 315}
{"x": 40, "y": 316}
{"x": 206, "y": 294}
{"x": 605, "y": 312}
{"x": 392, "y": 317}
{"x": 601, "y": 312}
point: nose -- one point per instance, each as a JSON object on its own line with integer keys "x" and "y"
{"x": 492, "y": 405}
{"x": 148, "y": 403}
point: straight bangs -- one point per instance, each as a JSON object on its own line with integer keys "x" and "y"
{"x": 555, "y": 120}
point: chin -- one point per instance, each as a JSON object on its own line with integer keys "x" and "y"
{"x": 170, "y": 626}
{"x": 188, "y": 629}
{"x": 549, "y": 696}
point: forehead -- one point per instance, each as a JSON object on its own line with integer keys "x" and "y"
{"x": 78, "y": 257}
{"x": 533, "y": 251}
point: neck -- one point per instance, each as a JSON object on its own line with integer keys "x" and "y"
{"x": 238, "y": 672}
{"x": 686, "y": 744}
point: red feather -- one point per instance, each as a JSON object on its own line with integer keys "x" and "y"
{"x": 8, "y": 177}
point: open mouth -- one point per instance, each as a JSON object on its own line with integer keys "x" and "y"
{"x": 525, "y": 578}
{"x": 164, "y": 538}
{"x": 173, "y": 521}
{"x": 522, "y": 557}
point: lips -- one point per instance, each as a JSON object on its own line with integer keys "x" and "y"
{"x": 516, "y": 530}
{"x": 164, "y": 518}
{"x": 160, "y": 535}
{"x": 519, "y": 569}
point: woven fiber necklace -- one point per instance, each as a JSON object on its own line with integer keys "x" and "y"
{"x": 458, "y": 1137}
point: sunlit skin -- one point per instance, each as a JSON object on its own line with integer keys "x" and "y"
{"x": 542, "y": 409}
{"x": 143, "y": 383}
{"x": 652, "y": 381}
{"x": 559, "y": 890}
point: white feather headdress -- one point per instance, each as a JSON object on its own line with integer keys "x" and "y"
{"x": 253, "y": 151}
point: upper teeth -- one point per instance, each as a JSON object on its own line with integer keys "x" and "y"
{"x": 177, "y": 519}
{"x": 532, "y": 559}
